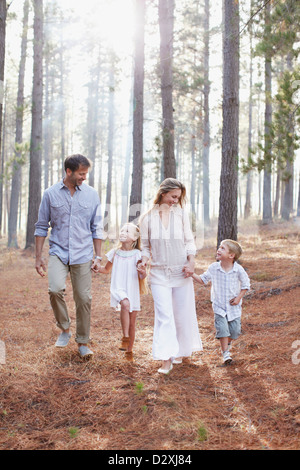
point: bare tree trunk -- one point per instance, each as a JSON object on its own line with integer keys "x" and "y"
{"x": 36, "y": 125}
{"x": 206, "y": 137}
{"x": 3, "y": 11}
{"x": 138, "y": 112}
{"x": 126, "y": 177}
{"x": 298, "y": 206}
{"x": 287, "y": 203}
{"x": 267, "y": 204}
{"x": 248, "y": 203}
{"x": 111, "y": 136}
{"x": 62, "y": 105}
{"x": 166, "y": 24}
{"x": 227, "y": 226}
{"x": 17, "y": 166}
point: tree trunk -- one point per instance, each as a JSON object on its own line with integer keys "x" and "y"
{"x": 206, "y": 137}
{"x": 166, "y": 23}
{"x": 111, "y": 136}
{"x": 17, "y": 166}
{"x": 267, "y": 205}
{"x": 138, "y": 113}
{"x": 3, "y": 11}
{"x": 248, "y": 203}
{"x": 298, "y": 205}
{"x": 227, "y": 225}
{"x": 129, "y": 145}
{"x": 36, "y": 125}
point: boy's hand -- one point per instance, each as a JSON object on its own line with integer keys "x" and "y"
{"x": 235, "y": 301}
{"x": 188, "y": 269}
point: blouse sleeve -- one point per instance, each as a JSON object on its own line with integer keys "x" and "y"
{"x": 188, "y": 234}
{"x": 145, "y": 241}
{"x": 110, "y": 255}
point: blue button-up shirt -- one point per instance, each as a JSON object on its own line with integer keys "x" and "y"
{"x": 226, "y": 286}
{"x": 74, "y": 221}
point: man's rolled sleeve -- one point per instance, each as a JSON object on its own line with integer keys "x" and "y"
{"x": 97, "y": 223}
{"x": 43, "y": 223}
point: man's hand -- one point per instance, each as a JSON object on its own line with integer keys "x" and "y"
{"x": 40, "y": 267}
{"x": 96, "y": 265}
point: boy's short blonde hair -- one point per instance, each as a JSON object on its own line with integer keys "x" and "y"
{"x": 234, "y": 247}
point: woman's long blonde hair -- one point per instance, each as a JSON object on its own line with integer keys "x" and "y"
{"x": 168, "y": 185}
{"x": 137, "y": 245}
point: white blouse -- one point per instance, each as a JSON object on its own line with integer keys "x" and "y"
{"x": 124, "y": 277}
{"x": 168, "y": 247}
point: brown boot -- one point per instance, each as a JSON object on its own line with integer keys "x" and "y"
{"x": 129, "y": 356}
{"x": 124, "y": 343}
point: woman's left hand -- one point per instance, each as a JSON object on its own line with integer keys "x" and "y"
{"x": 189, "y": 269}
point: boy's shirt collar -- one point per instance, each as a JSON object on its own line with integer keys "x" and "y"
{"x": 234, "y": 267}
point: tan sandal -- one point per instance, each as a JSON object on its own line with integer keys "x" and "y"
{"x": 129, "y": 356}
{"x": 124, "y": 343}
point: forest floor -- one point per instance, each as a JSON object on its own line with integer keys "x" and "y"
{"x": 50, "y": 399}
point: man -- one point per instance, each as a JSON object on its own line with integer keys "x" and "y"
{"x": 72, "y": 210}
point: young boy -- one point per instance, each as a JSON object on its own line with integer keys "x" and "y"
{"x": 230, "y": 282}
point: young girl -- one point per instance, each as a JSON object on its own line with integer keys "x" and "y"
{"x": 126, "y": 282}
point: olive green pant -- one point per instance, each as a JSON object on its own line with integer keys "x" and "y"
{"x": 81, "y": 279}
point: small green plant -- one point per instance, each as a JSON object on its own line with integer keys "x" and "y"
{"x": 73, "y": 432}
{"x": 139, "y": 387}
{"x": 202, "y": 433}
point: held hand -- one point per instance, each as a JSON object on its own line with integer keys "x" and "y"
{"x": 141, "y": 269}
{"x": 40, "y": 267}
{"x": 188, "y": 269}
{"x": 96, "y": 265}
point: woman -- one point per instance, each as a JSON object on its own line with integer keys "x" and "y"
{"x": 168, "y": 240}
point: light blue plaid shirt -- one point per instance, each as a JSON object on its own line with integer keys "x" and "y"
{"x": 226, "y": 286}
{"x": 74, "y": 220}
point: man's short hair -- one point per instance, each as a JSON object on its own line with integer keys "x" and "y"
{"x": 73, "y": 162}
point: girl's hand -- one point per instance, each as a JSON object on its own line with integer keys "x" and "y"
{"x": 96, "y": 265}
{"x": 141, "y": 269}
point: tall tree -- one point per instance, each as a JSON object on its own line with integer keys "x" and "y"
{"x": 166, "y": 26}
{"x": 111, "y": 136}
{"x": 138, "y": 109}
{"x": 17, "y": 162}
{"x": 267, "y": 204}
{"x": 36, "y": 125}
{"x": 3, "y": 12}
{"x": 206, "y": 136}
{"x": 227, "y": 225}
{"x": 248, "y": 202}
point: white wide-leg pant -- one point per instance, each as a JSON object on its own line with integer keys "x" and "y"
{"x": 176, "y": 332}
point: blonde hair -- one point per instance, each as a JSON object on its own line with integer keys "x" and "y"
{"x": 168, "y": 185}
{"x": 234, "y": 247}
{"x": 137, "y": 245}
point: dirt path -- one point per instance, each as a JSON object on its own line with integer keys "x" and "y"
{"x": 51, "y": 399}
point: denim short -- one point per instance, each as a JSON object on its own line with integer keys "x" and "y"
{"x": 225, "y": 328}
